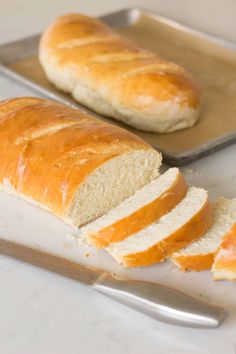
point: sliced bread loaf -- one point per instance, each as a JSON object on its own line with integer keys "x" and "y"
{"x": 183, "y": 224}
{"x": 200, "y": 254}
{"x": 138, "y": 211}
{"x": 69, "y": 162}
{"x": 224, "y": 266}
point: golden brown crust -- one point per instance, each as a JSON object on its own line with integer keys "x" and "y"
{"x": 11, "y": 105}
{"x": 154, "y": 254}
{"x": 194, "y": 263}
{"x": 225, "y": 260}
{"x": 48, "y": 149}
{"x": 125, "y": 75}
{"x": 67, "y": 30}
{"x": 189, "y": 232}
{"x": 142, "y": 217}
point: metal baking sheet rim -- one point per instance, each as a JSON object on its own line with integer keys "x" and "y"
{"x": 119, "y": 19}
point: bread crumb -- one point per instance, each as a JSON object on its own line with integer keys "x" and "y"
{"x": 72, "y": 236}
{"x": 83, "y": 241}
{"x": 77, "y": 238}
{"x": 88, "y": 254}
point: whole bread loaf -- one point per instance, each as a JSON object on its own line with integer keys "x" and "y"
{"x": 69, "y": 162}
{"x": 116, "y": 78}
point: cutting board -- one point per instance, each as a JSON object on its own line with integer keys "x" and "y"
{"x": 212, "y": 62}
{"x": 19, "y": 220}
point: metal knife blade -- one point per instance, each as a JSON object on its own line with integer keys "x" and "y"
{"x": 156, "y": 300}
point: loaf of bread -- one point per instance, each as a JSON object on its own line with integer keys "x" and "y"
{"x": 138, "y": 211}
{"x": 200, "y": 254}
{"x": 116, "y": 78}
{"x": 185, "y": 223}
{"x": 69, "y": 162}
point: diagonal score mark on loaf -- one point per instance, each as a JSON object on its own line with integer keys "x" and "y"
{"x": 72, "y": 35}
{"x": 11, "y": 105}
{"x": 77, "y": 42}
{"x": 44, "y": 131}
{"x": 160, "y": 67}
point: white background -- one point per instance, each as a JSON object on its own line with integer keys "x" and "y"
{"x": 42, "y": 313}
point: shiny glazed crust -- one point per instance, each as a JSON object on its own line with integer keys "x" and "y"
{"x": 189, "y": 232}
{"x": 48, "y": 150}
{"x": 115, "y": 77}
{"x": 142, "y": 217}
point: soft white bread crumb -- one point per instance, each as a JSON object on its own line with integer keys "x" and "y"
{"x": 144, "y": 196}
{"x": 224, "y": 215}
{"x": 111, "y": 183}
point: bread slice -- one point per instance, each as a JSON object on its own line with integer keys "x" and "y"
{"x": 200, "y": 254}
{"x": 69, "y": 162}
{"x": 138, "y": 211}
{"x": 183, "y": 224}
{"x": 224, "y": 266}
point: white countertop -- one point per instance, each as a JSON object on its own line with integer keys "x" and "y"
{"x": 42, "y": 313}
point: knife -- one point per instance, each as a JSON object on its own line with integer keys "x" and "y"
{"x": 158, "y": 301}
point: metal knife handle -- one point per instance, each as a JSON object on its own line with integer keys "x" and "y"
{"x": 161, "y": 302}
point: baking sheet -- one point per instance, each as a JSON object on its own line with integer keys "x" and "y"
{"x": 212, "y": 62}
